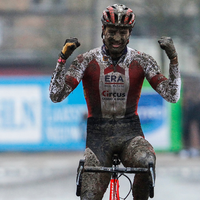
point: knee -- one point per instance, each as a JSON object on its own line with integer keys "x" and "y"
{"x": 90, "y": 158}
{"x": 139, "y": 153}
{"x": 143, "y": 158}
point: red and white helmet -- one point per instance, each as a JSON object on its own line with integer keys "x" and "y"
{"x": 118, "y": 15}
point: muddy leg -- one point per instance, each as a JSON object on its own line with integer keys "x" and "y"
{"x": 138, "y": 153}
{"x": 94, "y": 185}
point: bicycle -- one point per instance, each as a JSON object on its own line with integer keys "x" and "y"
{"x": 116, "y": 172}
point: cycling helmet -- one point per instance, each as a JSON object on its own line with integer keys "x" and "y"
{"x": 118, "y": 15}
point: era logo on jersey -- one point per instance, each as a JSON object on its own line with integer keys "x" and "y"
{"x": 114, "y": 79}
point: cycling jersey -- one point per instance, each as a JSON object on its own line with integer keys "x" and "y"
{"x": 113, "y": 91}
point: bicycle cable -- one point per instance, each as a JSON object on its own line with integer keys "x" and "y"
{"x": 130, "y": 186}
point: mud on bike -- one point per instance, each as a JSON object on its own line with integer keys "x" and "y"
{"x": 116, "y": 173}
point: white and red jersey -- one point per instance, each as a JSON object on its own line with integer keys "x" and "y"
{"x": 113, "y": 91}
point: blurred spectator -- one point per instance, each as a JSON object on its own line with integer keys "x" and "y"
{"x": 191, "y": 116}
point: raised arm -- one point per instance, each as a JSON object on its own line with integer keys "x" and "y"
{"x": 171, "y": 88}
{"x": 168, "y": 88}
{"x": 59, "y": 89}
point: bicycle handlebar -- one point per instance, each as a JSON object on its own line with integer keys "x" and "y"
{"x": 115, "y": 170}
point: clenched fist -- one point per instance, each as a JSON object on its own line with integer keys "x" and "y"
{"x": 166, "y": 44}
{"x": 69, "y": 46}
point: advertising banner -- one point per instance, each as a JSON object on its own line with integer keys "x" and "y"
{"x": 154, "y": 115}
{"x": 29, "y": 121}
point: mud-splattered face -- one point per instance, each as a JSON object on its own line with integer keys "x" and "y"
{"x": 116, "y": 39}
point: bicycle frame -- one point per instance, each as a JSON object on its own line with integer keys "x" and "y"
{"x": 114, "y": 189}
{"x": 114, "y": 182}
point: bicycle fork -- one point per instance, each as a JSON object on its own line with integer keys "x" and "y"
{"x": 114, "y": 188}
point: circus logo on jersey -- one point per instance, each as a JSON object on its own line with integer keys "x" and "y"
{"x": 106, "y": 93}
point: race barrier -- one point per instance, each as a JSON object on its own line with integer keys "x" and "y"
{"x": 29, "y": 121}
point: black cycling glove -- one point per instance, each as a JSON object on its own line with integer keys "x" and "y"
{"x": 69, "y": 46}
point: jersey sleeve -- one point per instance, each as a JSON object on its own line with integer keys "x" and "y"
{"x": 168, "y": 88}
{"x": 62, "y": 84}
